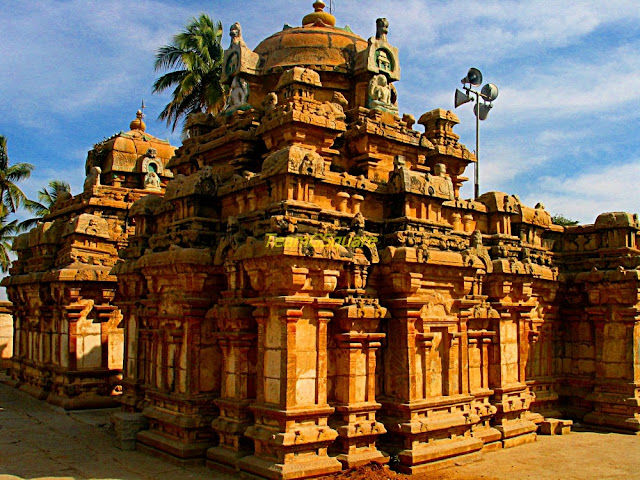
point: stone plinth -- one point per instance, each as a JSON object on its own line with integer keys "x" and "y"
{"x": 126, "y": 427}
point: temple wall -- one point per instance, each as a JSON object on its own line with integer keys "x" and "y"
{"x": 6, "y": 335}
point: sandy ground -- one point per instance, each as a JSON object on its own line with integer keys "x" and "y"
{"x": 38, "y": 440}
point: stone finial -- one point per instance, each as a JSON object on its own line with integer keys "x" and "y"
{"x": 409, "y": 119}
{"x": 382, "y": 28}
{"x": 238, "y": 58}
{"x": 138, "y": 123}
{"x": 319, "y": 16}
{"x": 235, "y": 32}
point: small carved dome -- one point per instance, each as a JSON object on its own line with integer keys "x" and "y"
{"x": 138, "y": 123}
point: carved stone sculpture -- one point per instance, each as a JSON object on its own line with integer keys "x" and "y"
{"x": 238, "y": 96}
{"x": 152, "y": 181}
{"x": 379, "y": 92}
{"x": 93, "y": 179}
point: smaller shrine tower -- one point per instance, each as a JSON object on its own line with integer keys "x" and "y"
{"x": 68, "y": 341}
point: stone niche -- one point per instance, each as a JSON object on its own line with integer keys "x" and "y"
{"x": 68, "y": 340}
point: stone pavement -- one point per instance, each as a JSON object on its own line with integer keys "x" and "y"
{"x": 38, "y": 440}
{"x": 580, "y": 455}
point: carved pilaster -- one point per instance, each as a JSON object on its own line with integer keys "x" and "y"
{"x": 291, "y": 433}
{"x": 356, "y": 339}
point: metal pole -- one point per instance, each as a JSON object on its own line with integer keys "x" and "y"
{"x": 477, "y": 179}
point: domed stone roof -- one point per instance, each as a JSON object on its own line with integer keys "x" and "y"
{"x": 129, "y": 154}
{"x": 318, "y": 47}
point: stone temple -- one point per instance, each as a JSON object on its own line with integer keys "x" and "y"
{"x": 310, "y": 292}
{"x": 68, "y": 342}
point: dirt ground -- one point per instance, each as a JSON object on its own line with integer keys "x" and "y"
{"x": 375, "y": 471}
{"x": 41, "y": 441}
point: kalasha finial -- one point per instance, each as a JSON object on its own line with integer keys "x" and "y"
{"x": 138, "y": 123}
{"x": 319, "y": 16}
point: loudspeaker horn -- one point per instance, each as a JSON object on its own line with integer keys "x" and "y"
{"x": 489, "y": 92}
{"x": 461, "y": 98}
{"x": 485, "y": 108}
{"x": 474, "y": 77}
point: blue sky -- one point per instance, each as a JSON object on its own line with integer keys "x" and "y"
{"x": 562, "y": 131}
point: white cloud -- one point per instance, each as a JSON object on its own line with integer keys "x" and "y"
{"x": 583, "y": 196}
{"x": 70, "y": 57}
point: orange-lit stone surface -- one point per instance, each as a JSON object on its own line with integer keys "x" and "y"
{"x": 68, "y": 340}
{"x": 310, "y": 293}
{"x": 6, "y": 335}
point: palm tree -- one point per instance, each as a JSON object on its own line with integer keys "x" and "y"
{"x": 11, "y": 197}
{"x": 8, "y": 231}
{"x": 47, "y": 197}
{"x": 195, "y": 56}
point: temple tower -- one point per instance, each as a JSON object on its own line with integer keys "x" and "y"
{"x": 68, "y": 337}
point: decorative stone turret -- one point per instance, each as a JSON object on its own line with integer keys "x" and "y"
{"x": 132, "y": 159}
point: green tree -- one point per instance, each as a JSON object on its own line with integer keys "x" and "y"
{"x": 195, "y": 60}
{"x": 11, "y": 195}
{"x": 8, "y": 230}
{"x": 560, "y": 219}
{"x": 47, "y": 197}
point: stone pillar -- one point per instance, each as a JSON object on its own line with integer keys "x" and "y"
{"x": 131, "y": 289}
{"x": 478, "y": 316}
{"x": 614, "y": 312}
{"x": 291, "y": 432}
{"x": 237, "y": 334}
{"x": 356, "y": 341}
{"x": 543, "y": 357}
{"x": 511, "y": 396}
{"x": 178, "y": 357}
{"x": 179, "y": 394}
{"x": 66, "y": 345}
{"x": 426, "y": 410}
{"x": 427, "y": 407}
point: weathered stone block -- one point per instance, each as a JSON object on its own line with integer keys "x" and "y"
{"x": 126, "y": 427}
{"x": 555, "y": 426}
